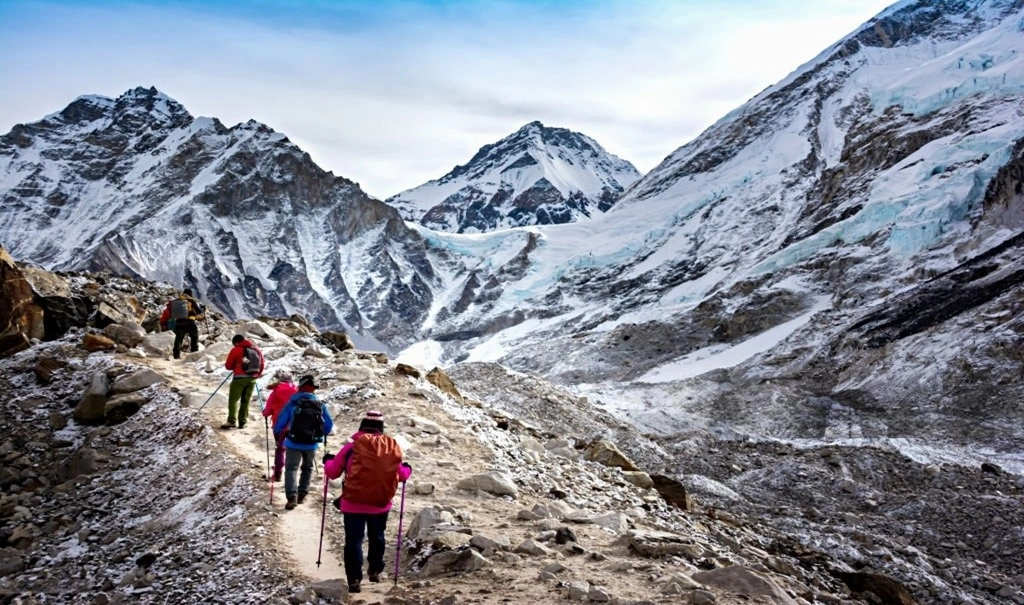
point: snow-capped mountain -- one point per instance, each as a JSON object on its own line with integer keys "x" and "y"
{"x": 811, "y": 266}
{"x": 536, "y": 176}
{"x": 138, "y": 186}
{"x": 842, "y": 253}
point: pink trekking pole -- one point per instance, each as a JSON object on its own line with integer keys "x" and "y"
{"x": 398, "y": 545}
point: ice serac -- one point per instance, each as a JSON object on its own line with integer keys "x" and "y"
{"x": 137, "y": 186}
{"x": 536, "y": 176}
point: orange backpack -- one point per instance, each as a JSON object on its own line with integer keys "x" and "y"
{"x": 371, "y": 476}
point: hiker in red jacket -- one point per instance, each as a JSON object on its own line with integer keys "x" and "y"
{"x": 246, "y": 362}
{"x": 373, "y": 467}
{"x": 281, "y": 390}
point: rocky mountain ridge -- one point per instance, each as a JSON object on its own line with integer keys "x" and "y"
{"x": 520, "y": 492}
{"x": 538, "y": 175}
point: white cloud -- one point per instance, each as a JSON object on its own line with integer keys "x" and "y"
{"x": 394, "y": 96}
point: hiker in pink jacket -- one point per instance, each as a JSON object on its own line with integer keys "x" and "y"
{"x": 373, "y": 467}
{"x": 281, "y": 390}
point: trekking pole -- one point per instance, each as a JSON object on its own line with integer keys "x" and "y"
{"x": 213, "y": 393}
{"x": 323, "y": 510}
{"x": 270, "y": 475}
{"x": 398, "y": 544}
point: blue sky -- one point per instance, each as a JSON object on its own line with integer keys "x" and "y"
{"x": 394, "y": 93}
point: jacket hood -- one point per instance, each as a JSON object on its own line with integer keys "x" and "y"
{"x": 245, "y": 343}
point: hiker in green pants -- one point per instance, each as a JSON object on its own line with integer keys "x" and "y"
{"x": 246, "y": 363}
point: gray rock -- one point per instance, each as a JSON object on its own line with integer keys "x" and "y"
{"x": 128, "y": 334}
{"x": 158, "y": 344}
{"x": 608, "y": 454}
{"x": 532, "y": 547}
{"x": 638, "y": 478}
{"x": 10, "y": 561}
{"x": 578, "y": 591}
{"x": 136, "y": 381}
{"x": 743, "y": 581}
{"x": 467, "y": 560}
{"x": 331, "y": 590}
{"x": 493, "y": 482}
{"x": 702, "y": 597}
{"x": 90, "y": 409}
{"x": 598, "y": 594}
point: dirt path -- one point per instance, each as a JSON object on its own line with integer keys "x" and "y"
{"x": 298, "y": 530}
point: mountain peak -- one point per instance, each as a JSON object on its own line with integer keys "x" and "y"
{"x": 536, "y": 175}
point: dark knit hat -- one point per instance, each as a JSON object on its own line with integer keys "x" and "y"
{"x": 308, "y": 381}
{"x": 373, "y": 421}
{"x": 187, "y": 291}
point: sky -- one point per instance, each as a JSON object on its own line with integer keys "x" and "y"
{"x": 394, "y": 93}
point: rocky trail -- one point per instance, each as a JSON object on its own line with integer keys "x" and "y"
{"x": 116, "y": 489}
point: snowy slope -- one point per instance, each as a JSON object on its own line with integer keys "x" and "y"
{"x": 136, "y": 185}
{"x": 817, "y": 241}
{"x": 537, "y": 175}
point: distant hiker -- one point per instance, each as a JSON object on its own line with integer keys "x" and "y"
{"x": 306, "y": 422}
{"x": 281, "y": 390}
{"x": 373, "y": 467}
{"x": 180, "y": 315}
{"x": 246, "y": 362}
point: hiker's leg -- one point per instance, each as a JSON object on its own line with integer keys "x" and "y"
{"x": 307, "y": 471}
{"x": 355, "y": 525}
{"x": 248, "y": 386}
{"x": 234, "y": 394}
{"x": 291, "y": 464}
{"x": 193, "y": 335}
{"x": 179, "y": 335}
{"x": 375, "y": 526}
{"x": 278, "y": 454}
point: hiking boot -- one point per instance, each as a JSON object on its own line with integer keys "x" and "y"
{"x": 302, "y": 498}
{"x": 291, "y": 503}
{"x": 354, "y": 587}
{"x": 375, "y": 576}
{"x": 227, "y": 425}
{"x": 241, "y": 425}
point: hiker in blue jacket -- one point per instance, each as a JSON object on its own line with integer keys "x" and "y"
{"x": 307, "y": 422}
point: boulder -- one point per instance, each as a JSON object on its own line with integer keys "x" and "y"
{"x": 331, "y": 590}
{"x": 91, "y": 407}
{"x": 493, "y": 482}
{"x": 130, "y": 334}
{"x": 97, "y": 342}
{"x": 11, "y": 561}
{"x": 405, "y": 369}
{"x": 136, "y": 381}
{"x": 882, "y": 586}
{"x": 158, "y": 344}
{"x": 338, "y": 340}
{"x": 21, "y": 319}
{"x": 122, "y": 407}
{"x": 606, "y": 453}
{"x": 45, "y": 366}
{"x": 745, "y": 582}
{"x": 264, "y": 331}
{"x": 654, "y": 543}
{"x": 117, "y": 308}
{"x": 449, "y": 561}
{"x": 439, "y": 379}
{"x": 638, "y": 478}
{"x": 318, "y": 350}
{"x": 673, "y": 492}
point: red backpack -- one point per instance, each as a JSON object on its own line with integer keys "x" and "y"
{"x": 371, "y": 476}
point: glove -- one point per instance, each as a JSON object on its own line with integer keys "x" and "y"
{"x": 328, "y": 457}
{"x": 407, "y": 465}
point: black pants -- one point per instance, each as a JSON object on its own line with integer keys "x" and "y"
{"x": 355, "y": 527}
{"x": 180, "y": 330}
